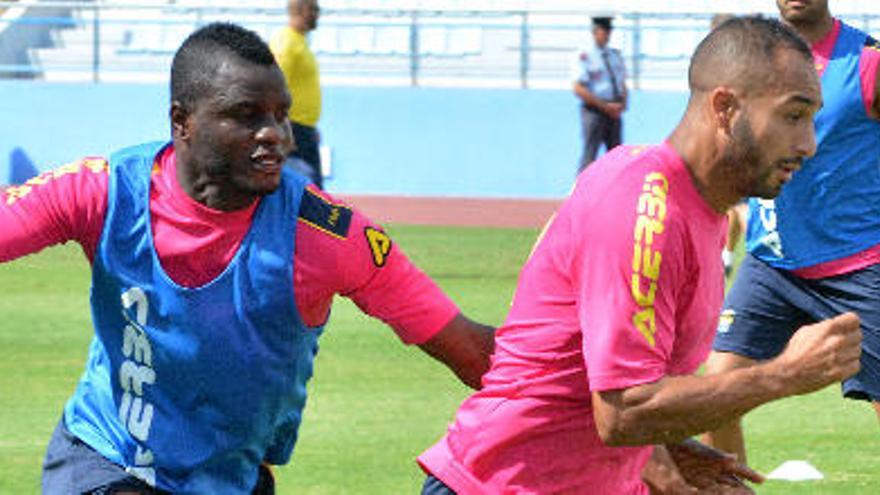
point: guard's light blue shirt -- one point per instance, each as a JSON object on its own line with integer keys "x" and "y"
{"x": 831, "y": 207}
{"x": 590, "y": 70}
{"x": 190, "y": 389}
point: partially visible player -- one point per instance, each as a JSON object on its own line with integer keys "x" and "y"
{"x": 213, "y": 271}
{"x": 616, "y": 308}
{"x": 814, "y": 252}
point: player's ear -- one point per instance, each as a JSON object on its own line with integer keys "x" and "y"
{"x": 723, "y": 103}
{"x": 179, "y": 115}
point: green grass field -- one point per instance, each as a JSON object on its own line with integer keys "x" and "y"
{"x": 374, "y": 403}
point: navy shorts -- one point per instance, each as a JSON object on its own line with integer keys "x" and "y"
{"x": 767, "y": 305}
{"x": 72, "y": 467}
{"x": 434, "y": 486}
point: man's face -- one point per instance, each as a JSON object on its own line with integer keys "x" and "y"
{"x": 310, "y": 13}
{"x": 601, "y": 36}
{"x": 774, "y": 132}
{"x": 238, "y": 133}
{"x": 799, "y": 12}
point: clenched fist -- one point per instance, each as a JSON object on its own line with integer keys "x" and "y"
{"x": 821, "y": 354}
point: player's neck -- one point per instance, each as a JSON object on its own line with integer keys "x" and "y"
{"x": 815, "y": 31}
{"x": 690, "y": 140}
{"x": 217, "y": 197}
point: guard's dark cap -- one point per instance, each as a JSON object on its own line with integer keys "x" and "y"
{"x": 602, "y": 22}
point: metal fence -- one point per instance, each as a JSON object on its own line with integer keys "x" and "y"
{"x": 134, "y": 42}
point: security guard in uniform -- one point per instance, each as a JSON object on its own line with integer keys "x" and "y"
{"x": 600, "y": 85}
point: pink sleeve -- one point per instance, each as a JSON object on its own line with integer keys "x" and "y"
{"x": 869, "y": 62}
{"x": 65, "y": 204}
{"x": 627, "y": 281}
{"x": 366, "y": 266}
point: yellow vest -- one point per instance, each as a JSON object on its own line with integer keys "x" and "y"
{"x": 300, "y": 69}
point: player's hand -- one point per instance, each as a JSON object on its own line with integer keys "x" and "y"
{"x": 663, "y": 477}
{"x": 821, "y": 354}
{"x": 710, "y": 470}
{"x": 613, "y": 109}
{"x": 694, "y": 468}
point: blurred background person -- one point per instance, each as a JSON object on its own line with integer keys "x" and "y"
{"x": 300, "y": 68}
{"x": 600, "y": 84}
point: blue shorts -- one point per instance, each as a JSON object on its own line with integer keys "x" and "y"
{"x": 767, "y": 305}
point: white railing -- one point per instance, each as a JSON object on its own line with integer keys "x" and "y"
{"x": 482, "y": 45}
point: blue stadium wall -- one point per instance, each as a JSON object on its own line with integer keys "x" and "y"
{"x": 396, "y": 141}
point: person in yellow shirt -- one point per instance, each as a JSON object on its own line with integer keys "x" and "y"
{"x": 300, "y": 68}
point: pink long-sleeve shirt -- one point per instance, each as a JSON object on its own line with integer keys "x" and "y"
{"x": 196, "y": 243}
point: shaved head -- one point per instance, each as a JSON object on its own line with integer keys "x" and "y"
{"x": 303, "y": 14}
{"x": 749, "y": 121}
{"x": 742, "y": 54}
{"x": 294, "y": 6}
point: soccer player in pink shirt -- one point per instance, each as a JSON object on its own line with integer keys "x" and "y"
{"x": 592, "y": 374}
{"x": 214, "y": 269}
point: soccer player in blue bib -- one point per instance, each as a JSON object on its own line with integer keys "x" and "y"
{"x": 814, "y": 251}
{"x": 214, "y": 268}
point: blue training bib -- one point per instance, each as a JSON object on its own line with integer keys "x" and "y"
{"x": 831, "y": 207}
{"x": 190, "y": 389}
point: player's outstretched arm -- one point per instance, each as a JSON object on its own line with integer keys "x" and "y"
{"x": 674, "y": 408}
{"x": 356, "y": 258}
{"x": 464, "y": 346}
{"x": 64, "y": 204}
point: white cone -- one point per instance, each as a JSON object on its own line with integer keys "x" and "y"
{"x": 796, "y": 471}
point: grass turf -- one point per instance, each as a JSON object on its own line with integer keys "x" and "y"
{"x": 374, "y": 404}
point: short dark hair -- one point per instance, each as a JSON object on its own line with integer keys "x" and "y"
{"x": 602, "y": 22}
{"x": 196, "y": 62}
{"x": 741, "y": 52}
